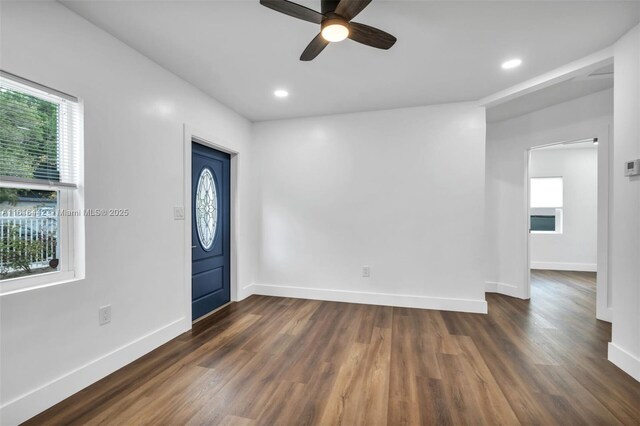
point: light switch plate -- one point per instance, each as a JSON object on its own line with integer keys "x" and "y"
{"x": 178, "y": 213}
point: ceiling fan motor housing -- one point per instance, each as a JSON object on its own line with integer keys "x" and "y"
{"x": 328, "y": 6}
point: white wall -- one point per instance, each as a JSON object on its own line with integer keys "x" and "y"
{"x": 51, "y": 344}
{"x": 576, "y": 248}
{"x": 400, "y": 191}
{"x": 624, "y": 349}
{"x": 507, "y": 145}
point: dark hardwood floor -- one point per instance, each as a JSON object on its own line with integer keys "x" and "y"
{"x": 276, "y": 361}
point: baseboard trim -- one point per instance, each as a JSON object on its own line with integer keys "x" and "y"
{"x": 502, "y": 288}
{"x": 605, "y": 314}
{"x": 561, "y": 266}
{"x": 34, "y": 402}
{"x": 369, "y": 298}
{"x": 246, "y": 292}
{"x": 627, "y": 362}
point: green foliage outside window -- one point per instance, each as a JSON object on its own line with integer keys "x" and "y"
{"x": 28, "y": 149}
{"x": 17, "y": 252}
{"x": 28, "y": 141}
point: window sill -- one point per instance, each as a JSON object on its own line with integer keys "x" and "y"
{"x": 20, "y": 284}
{"x": 547, "y": 232}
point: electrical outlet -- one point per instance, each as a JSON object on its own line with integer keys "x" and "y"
{"x": 366, "y": 271}
{"x": 104, "y": 314}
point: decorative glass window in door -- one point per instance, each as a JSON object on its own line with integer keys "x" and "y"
{"x": 206, "y": 208}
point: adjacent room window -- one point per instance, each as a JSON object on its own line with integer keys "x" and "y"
{"x": 39, "y": 178}
{"x": 546, "y": 203}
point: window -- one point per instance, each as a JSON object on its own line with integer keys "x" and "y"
{"x": 206, "y": 208}
{"x": 546, "y": 203}
{"x": 39, "y": 179}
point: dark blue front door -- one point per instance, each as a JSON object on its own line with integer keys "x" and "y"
{"x": 211, "y": 230}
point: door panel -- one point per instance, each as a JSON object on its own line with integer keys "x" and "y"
{"x": 211, "y": 229}
{"x": 207, "y": 282}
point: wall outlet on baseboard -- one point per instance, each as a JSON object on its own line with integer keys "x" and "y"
{"x": 104, "y": 315}
{"x": 366, "y": 271}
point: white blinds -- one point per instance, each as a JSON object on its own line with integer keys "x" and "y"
{"x": 39, "y": 134}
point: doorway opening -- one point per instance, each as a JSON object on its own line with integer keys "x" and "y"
{"x": 203, "y": 281}
{"x": 565, "y": 198}
{"x": 210, "y": 230}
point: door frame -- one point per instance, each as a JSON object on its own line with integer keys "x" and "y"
{"x": 603, "y": 302}
{"x": 191, "y": 134}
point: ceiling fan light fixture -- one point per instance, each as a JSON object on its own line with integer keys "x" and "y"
{"x": 335, "y": 30}
{"x": 335, "y": 24}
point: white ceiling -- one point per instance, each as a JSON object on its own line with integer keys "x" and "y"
{"x": 565, "y": 91}
{"x": 448, "y": 51}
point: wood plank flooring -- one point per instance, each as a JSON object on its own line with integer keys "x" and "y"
{"x": 277, "y": 361}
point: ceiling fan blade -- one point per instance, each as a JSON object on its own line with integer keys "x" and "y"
{"x": 350, "y": 8}
{"x": 314, "y": 48}
{"x": 294, "y": 9}
{"x": 370, "y": 36}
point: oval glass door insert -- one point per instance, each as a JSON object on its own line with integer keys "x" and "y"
{"x": 206, "y": 208}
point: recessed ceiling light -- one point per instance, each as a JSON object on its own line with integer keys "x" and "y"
{"x": 512, "y": 63}
{"x": 281, "y": 93}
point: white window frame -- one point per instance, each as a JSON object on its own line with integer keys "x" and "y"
{"x": 70, "y": 199}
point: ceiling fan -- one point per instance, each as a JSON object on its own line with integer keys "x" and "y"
{"x": 335, "y": 24}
